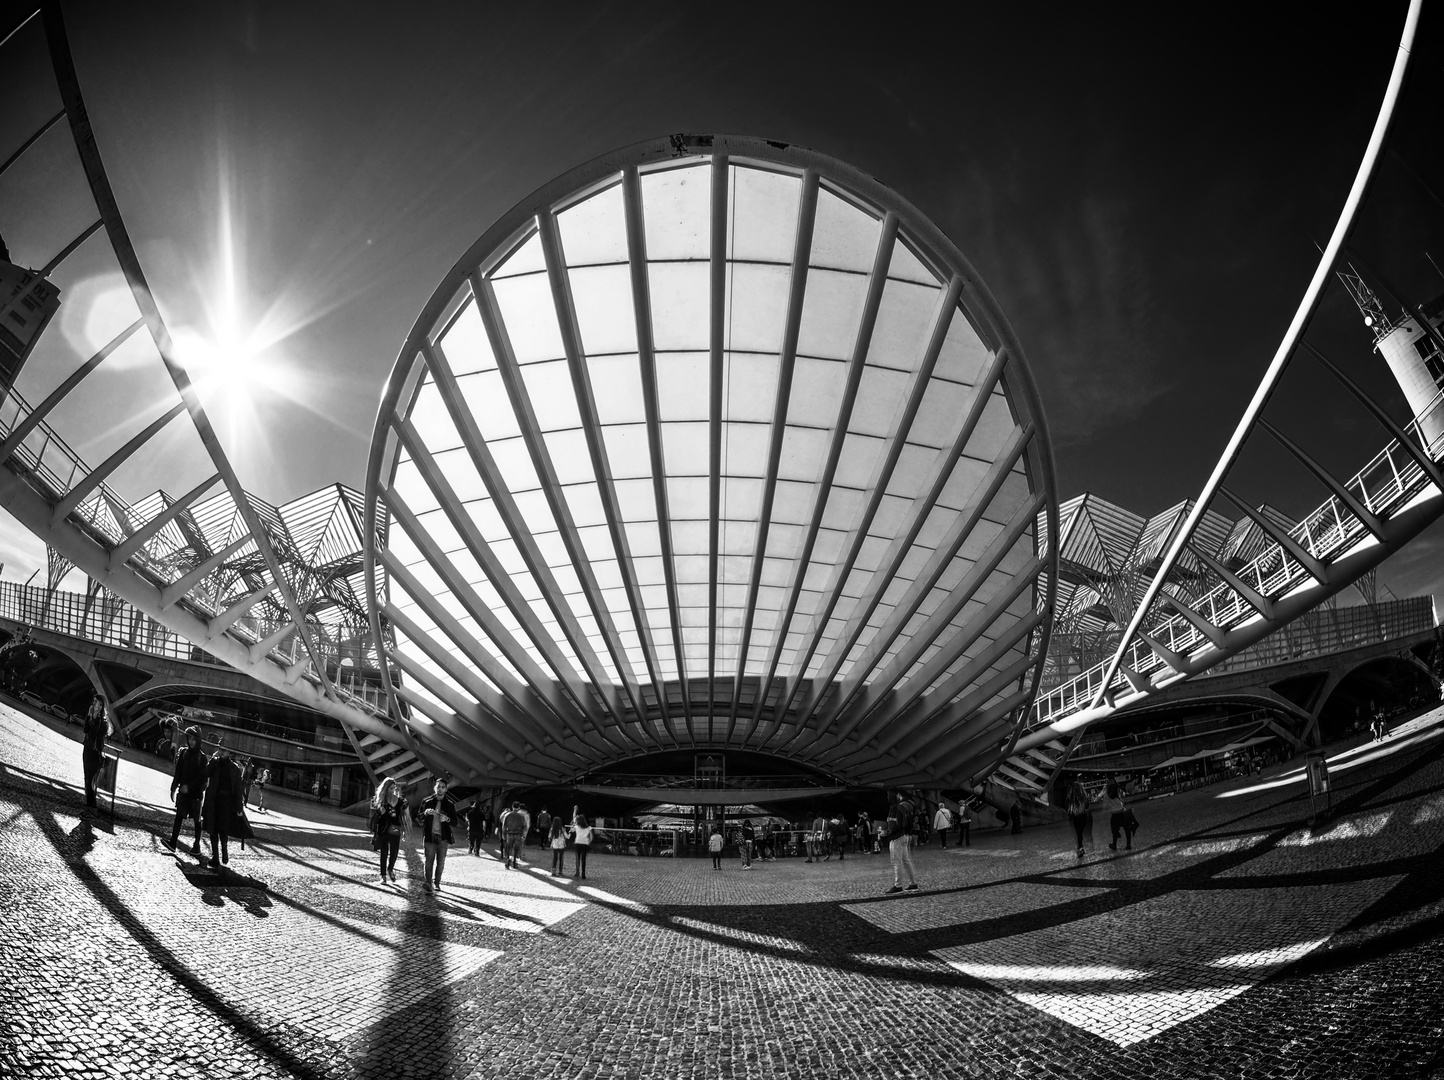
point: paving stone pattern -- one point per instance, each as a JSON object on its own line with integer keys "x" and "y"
{"x": 1235, "y": 940}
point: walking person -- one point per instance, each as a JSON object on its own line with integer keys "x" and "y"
{"x": 437, "y": 813}
{"x": 1079, "y": 813}
{"x": 749, "y": 834}
{"x": 942, "y": 822}
{"x": 515, "y": 824}
{"x": 582, "y": 838}
{"x": 475, "y": 824}
{"x": 188, "y": 781}
{"x": 714, "y": 845}
{"x": 557, "y": 841}
{"x": 817, "y": 841}
{"x": 838, "y": 825}
{"x": 1111, "y": 802}
{"x": 97, "y": 730}
{"x": 262, "y": 779}
{"x": 543, "y": 826}
{"x": 392, "y": 824}
{"x": 899, "y": 838}
{"x": 221, "y": 804}
{"x": 965, "y": 823}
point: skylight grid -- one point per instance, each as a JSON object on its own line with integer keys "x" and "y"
{"x": 531, "y": 405}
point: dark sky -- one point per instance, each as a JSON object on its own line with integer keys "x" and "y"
{"x": 1143, "y": 196}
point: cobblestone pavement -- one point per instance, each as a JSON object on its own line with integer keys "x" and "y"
{"x": 1234, "y": 941}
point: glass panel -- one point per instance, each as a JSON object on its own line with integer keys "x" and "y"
{"x": 485, "y": 395}
{"x": 530, "y": 319}
{"x": 756, "y": 307}
{"x": 681, "y": 305}
{"x": 764, "y": 215}
{"x": 549, "y": 389}
{"x": 432, "y": 421}
{"x": 617, "y": 389}
{"x": 602, "y": 300}
{"x": 683, "y": 386}
{"x": 595, "y": 229}
{"x": 570, "y": 458}
{"x": 844, "y": 236}
{"x": 628, "y": 452}
{"x": 750, "y": 387}
{"x": 677, "y": 211}
{"x": 465, "y": 345}
{"x": 527, "y": 258}
{"x": 905, "y": 320}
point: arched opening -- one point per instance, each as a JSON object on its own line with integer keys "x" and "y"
{"x": 1398, "y": 687}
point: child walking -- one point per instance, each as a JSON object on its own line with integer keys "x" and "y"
{"x": 714, "y": 845}
{"x": 557, "y": 838}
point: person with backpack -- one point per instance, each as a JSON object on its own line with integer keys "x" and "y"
{"x": 899, "y": 838}
{"x": 515, "y": 824}
{"x": 97, "y": 730}
{"x": 942, "y": 822}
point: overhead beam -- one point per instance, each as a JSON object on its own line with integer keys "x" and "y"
{"x": 856, "y": 365}
{"x": 1291, "y": 547}
{"x": 176, "y": 589}
{"x": 1366, "y": 517}
{"x": 786, "y": 362}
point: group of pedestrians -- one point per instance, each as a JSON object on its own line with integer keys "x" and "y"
{"x": 210, "y": 792}
{"x": 391, "y": 821}
{"x": 1121, "y": 820}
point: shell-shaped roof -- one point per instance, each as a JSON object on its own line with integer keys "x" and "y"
{"x": 712, "y": 442}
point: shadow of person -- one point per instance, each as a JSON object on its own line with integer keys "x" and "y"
{"x": 217, "y": 886}
{"x": 79, "y": 840}
{"x": 415, "y": 1037}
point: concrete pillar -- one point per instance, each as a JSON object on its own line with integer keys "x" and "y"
{"x": 1400, "y": 350}
{"x": 338, "y": 784}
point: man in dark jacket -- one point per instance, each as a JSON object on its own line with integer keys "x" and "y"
{"x": 475, "y": 825}
{"x": 188, "y": 781}
{"x": 899, "y": 838}
{"x": 437, "y": 814}
{"x": 97, "y": 727}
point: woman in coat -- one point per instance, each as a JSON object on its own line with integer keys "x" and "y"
{"x": 1079, "y": 813}
{"x": 391, "y": 821}
{"x": 222, "y": 814}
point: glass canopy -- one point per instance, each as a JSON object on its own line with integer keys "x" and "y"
{"x": 712, "y": 442}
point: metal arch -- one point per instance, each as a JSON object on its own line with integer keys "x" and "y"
{"x": 1295, "y": 332}
{"x": 571, "y": 336}
{"x": 857, "y": 364}
{"x": 787, "y": 360}
{"x": 647, "y": 363}
{"x": 982, "y": 307}
{"x": 566, "y": 526}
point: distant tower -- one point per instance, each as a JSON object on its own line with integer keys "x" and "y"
{"x": 1412, "y": 354}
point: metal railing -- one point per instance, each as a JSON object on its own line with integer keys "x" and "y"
{"x": 1385, "y": 485}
